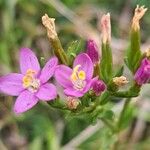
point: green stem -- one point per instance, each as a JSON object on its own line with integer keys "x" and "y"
{"x": 120, "y": 120}
{"x": 121, "y": 117}
{"x": 59, "y": 51}
{"x": 108, "y": 124}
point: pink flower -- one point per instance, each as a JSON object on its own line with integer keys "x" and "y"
{"x": 77, "y": 81}
{"x": 92, "y": 51}
{"x": 32, "y": 84}
{"x": 142, "y": 75}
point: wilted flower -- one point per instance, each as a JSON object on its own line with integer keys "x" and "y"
{"x": 142, "y": 75}
{"x": 32, "y": 84}
{"x": 72, "y": 102}
{"x": 49, "y": 24}
{"x": 138, "y": 14}
{"x": 76, "y": 81}
{"x": 106, "y": 28}
{"x": 98, "y": 87}
{"x": 120, "y": 81}
{"x": 92, "y": 51}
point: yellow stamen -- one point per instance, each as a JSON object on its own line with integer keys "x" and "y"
{"x": 76, "y": 68}
{"x": 74, "y": 77}
{"x": 28, "y": 78}
{"x": 81, "y": 75}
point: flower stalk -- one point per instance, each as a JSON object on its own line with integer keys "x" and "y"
{"x": 134, "y": 55}
{"x": 106, "y": 60}
{"x": 54, "y": 40}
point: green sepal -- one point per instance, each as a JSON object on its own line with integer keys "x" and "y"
{"x": 133, "y": 56}
{"x": 106, "y": 63}
{"x": 112, "y": 86}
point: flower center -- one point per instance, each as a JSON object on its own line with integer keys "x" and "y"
{"x": 30, "y": 82}
{"x": 78, "y": 78}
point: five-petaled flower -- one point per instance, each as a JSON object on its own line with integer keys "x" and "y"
{"x": 142, "y": 75}
{"x": 77, "y": 81}
{"x": 32, "y": 84}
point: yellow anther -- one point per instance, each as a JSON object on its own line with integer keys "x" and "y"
{"x": 81, "y": 75}
{"x": 26, "y": 81}
{"x": 76, "y": 68}
{"x": 76, "y": 74}
{"x": 28, "y": 78}
{"x": 74, "y": 77}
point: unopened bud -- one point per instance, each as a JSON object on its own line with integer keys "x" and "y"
{"x": 98, "y": 87}
{"x": 49, "y": 24}
{"x": 138, "y": 14}
{"x": 142, "y": 74}
{"x": 72, "y": 102}
{"x": 92, "y": 51}
{"x": 120, "y": 81}
{"x": 106, "y": 28}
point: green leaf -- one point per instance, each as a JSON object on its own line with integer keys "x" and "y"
{"x": 127, "y": 117}
{"x": 108, "y": 114}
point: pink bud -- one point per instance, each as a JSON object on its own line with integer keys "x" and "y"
{"x": 106, "y": 28}
{"x": 92, "y": 51}
{"x": 142, "y": 75}
{"x": 98, "y": 87}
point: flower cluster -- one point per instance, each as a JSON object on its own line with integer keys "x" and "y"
{"x": 32, "y": 84}
{"x": 83, "y": 80}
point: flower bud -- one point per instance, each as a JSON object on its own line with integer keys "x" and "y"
{"x": 72, "y": 102}
{"x": 138, "y": 14}
{"x": 50, "y": 26}
{"x": 106, "y": 28}
{"x": 142, "y": 74}
{"x": 98, "y": 87}
{"x": 120, "y": 81}
{"x": 92, "y": 51}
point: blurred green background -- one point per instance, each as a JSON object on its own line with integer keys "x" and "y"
{"x": 45, "y": 128}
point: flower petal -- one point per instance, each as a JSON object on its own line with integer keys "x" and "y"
{"x": 73, "y": 92}
{"x": 62, "y": 75}
{"x": 47, "y": 92}
{"x": 11, "y": 84}
{"x": 24, "y": 102}
{"x": 48, "y": 70}
{"x": 86, "y": 64}
{"x": 28, "y": 60}
{"x": 89, "y": 84}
